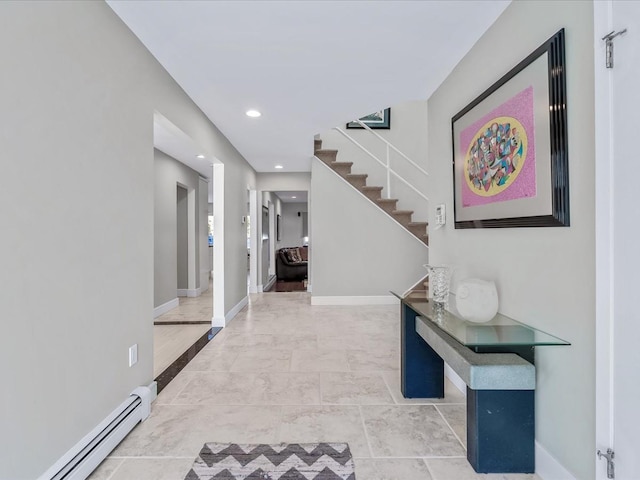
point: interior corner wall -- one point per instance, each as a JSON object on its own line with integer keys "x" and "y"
{"x": 357, "y": 249}
{"x": 168, "y": 172}
{"x": 78, "y": 94}
{"x": 545, "y": 276}
{"x": 291, "y": 224}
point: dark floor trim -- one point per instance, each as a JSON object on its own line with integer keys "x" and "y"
{"x": 186, "y": 322}
{"x": 176, "y": 367}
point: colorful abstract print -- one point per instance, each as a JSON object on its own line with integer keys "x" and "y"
{"x": 496, "y": 156}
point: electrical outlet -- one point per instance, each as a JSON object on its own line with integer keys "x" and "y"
{"x": 133, "y": 355}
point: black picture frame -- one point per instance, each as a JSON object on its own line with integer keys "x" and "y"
{"x": 278, "y": 230}
{"x": 548, "y": 206}
{"x": 380, "y": 120}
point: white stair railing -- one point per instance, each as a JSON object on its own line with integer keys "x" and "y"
{"x": 386, "y": 164}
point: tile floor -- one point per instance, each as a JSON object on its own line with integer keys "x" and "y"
{"x": 170, "y": 341}
{"x": 284, "y": 371}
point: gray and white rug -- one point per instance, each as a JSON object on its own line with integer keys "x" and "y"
{"x": 295, "y": 461}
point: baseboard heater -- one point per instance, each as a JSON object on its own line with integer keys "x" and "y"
{"x": 86, "y": 455}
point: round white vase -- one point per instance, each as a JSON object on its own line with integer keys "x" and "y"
{"x": 477, "y": 300}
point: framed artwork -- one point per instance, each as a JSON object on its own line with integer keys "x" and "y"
{"x": 510, "y": 161}
{"x": 380, "y": 119}
{"x": 278, "y": 231}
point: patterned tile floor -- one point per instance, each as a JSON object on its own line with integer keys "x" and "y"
{"x": 284, "y": 371}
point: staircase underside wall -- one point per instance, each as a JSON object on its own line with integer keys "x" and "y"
{"x": 356, "y": 248}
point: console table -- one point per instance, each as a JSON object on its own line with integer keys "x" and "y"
{"x": 496, "y": 361}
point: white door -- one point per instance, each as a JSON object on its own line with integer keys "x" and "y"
{"x": 618, "y": 238}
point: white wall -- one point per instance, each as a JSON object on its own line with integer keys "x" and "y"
{"x": 356, "y": 248}
{"x": 291, "y": 224}
{"x": 545, "y": 276}
{"x": 78, "y": 93}
{"x": 408, "y": 133}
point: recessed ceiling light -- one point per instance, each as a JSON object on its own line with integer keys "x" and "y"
{"x": 253, "y": 113}
{"x": 294, "y": 197}
{"x": 200, "y": 156}
{"x": 279, "y": 167}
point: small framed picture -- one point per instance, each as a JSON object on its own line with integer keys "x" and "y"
{"x": 380, "y": 119}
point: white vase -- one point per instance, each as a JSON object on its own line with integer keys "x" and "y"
{"x": 477, "y": 300}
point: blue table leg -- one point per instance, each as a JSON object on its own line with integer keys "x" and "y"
{"x": 421, "y": 369}
{"x": 501, "y": 431}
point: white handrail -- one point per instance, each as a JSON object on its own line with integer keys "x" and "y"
{"x": 390, "y": 171}
{"x": 391, "y": 145}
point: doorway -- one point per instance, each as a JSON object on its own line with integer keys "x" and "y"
{"x": 182, "y": 241}
{"x": 617, "y": 259}
{"x": 289, "y": 229}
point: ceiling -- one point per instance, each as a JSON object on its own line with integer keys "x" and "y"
{"x": 306, "y": 65}
{"x": 174, "y": 142}
{"x": 288, "y": 196}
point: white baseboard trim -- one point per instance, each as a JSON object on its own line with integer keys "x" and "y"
{"x": 308, "y": 287}
{"x": 455, "y": 379}
{"x": 548, "y": 468}
{"x": 189, "y": 292}
{"x": 260, "y": 289}
{"x": 165, "y": 307}
{"x": 270, "y": 283}
{"x": 363, "y": 300}
{"x": 224, "y": 321}
{"x": 235, "y": 310}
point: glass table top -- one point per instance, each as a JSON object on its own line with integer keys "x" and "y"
{"x": 499, "y": 331}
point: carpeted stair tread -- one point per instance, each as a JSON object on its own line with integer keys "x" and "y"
{"x": 402, "y": 212}
{"x": 403, "y": 216}
{"x": 417, "y": 228}
{"x": 387, "y": 204}
{"x": 418, "y": 294}
{"x": 317, "y": 145}
{"x": 372, "y": 193}
{"x": 343, "y": 168}
{"x": 425, "y": 238}
{"x": 358, "y": 180}
{"x": 327, "y": 156}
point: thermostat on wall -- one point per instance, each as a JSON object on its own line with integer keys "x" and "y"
{"x": 441, "y": 217}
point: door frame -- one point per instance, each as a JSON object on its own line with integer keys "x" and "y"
{"x": 604, "y": 236}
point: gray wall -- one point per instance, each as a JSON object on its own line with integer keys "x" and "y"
{"x": 168, "y": 173}
{"x": 357, "y": 249}
{"x": 408, "y": 133}
{"x": 291, "y": 224}
{"x": 78, "y": 92}
{"x": 182, "y": 237}
{"x": 547, "y": 276}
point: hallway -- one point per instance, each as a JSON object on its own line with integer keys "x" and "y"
{"x": 284, "y": 371}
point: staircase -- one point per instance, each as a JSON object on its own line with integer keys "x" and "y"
{"x": 373, "y": 193}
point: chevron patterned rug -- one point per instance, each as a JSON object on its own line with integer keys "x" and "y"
{"x": 295, "y": 461}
